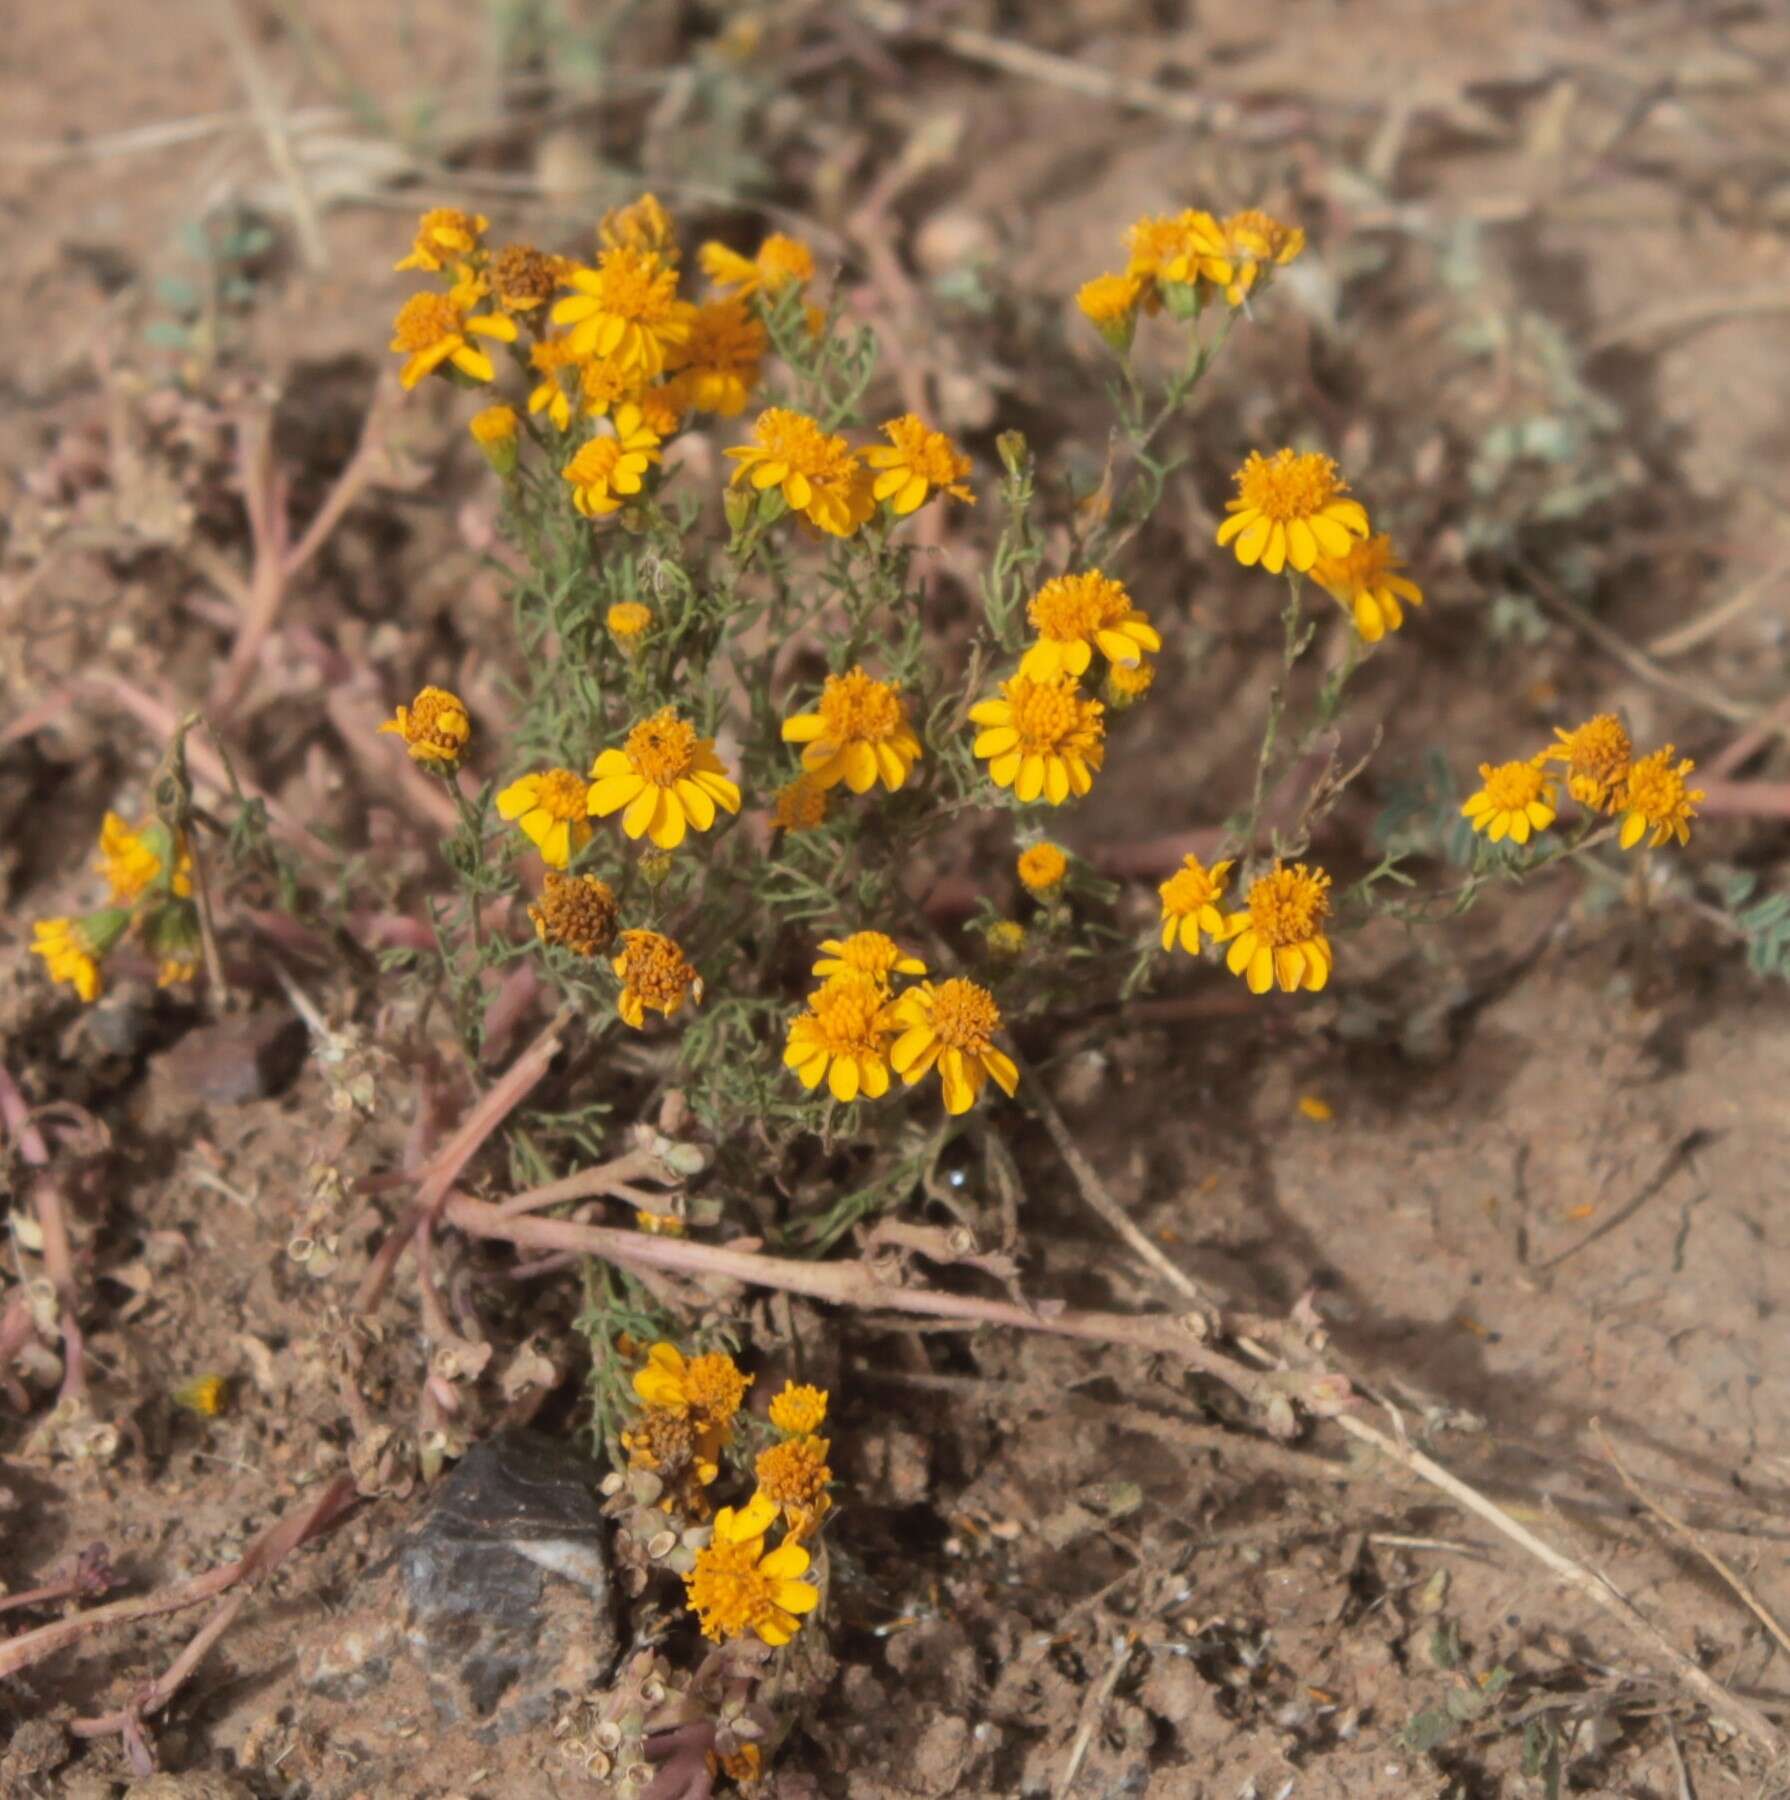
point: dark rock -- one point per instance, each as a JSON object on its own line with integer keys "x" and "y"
{"x": 236, "y": 1060}
{"x": 507, "y": 1598}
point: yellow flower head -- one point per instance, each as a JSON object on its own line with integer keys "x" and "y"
{"x": 626, "y": 310}
{"x": 523, "y": 278}
{"x": 859, "y": 735}
{"x": 431, "y": 329}
{"x": 1005, "y": 937}
{"x": 793, "y": 1476}
{"x": 204, "y": 1395}
{"x": 629, "y": 621}
{"x": 495, "y": 431}
{"x": 1127, "y": 683}
{"x": 578, "y": 912}
{"x": 917, "y": 460}
{"x": 669, "y": 1442}
{"x": 718, "y": 368}
{"x": 780, "y": 261}
{"x": 951, "y": 1027}
{"x": 707, "y": 1388}
{"x": 744, "y": 1767}
{"x": 1073, "y": 614}
{"x": 435, "y": 727}
{"x": 801, "y": 805}
{"x": 816, "y": 472}
{"x": 1657, "y": 800}
{"x": 604, "y": 383}
{"x": 661, "y": 1224}
{"x": 1517, "y": 799}
{"x": 1280, "y": 937}
{"x": 669, "y": 780}
{"x": 643, "y": 224}
{"x": 869, "y": 953}
{"x": 1291, "y": 509}
{"x": 654, "y": 973}
{"x": 1256, "y": 244}
{"x": 70, "y": 954}
{"x": 1041, "y": 738}
{"x": 799, "y": 1410}
{"x": 736, "y": 1587}
{"x": 1041, "y": 869}
{"x": 843, "y": 1035}
{"x": 170, "y": 971}
{"x": 1109, "y": 303}
{"x": 611, "y": 469}
{"x": 1190, "y": 899}
{"x": 132, "y": 861}
{"x": 1367, "y": 584}
{"x": 548, "y": 358}
{"x": 552, "y": 809}
{"x": 1596, "y": 755}
{"x": 1179, "y": 250}
{"x": 444, "y": 236}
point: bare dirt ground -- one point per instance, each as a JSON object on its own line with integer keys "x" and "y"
{"x": 1546, "y": 305}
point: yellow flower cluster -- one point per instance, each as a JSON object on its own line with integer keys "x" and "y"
{"x": 151, "y": 883}
{"x": 855, "y": 1029}
{"x": 801, "y": 468}
{"x": 1180, "y": 261}
{"x": 1276, "y": 940}
{"x": 688, "y": 1409}
{"x": 1650, "y": 794}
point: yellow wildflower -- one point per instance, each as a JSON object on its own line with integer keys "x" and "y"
{"x": 431, "y": 330}
{"x": 435, "y": 727}
{"x": 643, "y": 224}
{"x": 1596, "y": 755}
{"x": 744, "y": 1766}
{"x": 816, "y": 472}
{"x": 578, "y": 912}
{"x": 793, "y": 1475}
{"x": 1073, "y": 614}
{"x": 548, "y": 358}
{"x": 629, "y": 621}
{"x": 494, "y": 430}
{"x": 951, "y": 1027}
{"x": 1256, "y": 244}
{"x": 1190, "y": 899}
{"x": 444, "y": 236}
{"x": 1109, "y": 303}
{"x": 661, "y": 1224}
{"x": 799, "y": 1410}
{"x": 1290, "y": 509}
{"x": 133, "y": 861}
{"x": 604, "y": 383}
{"x": 801, "y": 805}
{"x": 736, "y": 1587}
{"x": 843, "y": 1035}
{"x": 871, "y": 953}
{"x": 859, "y": 734}
{"x": 1041, "y": 868}
{"x": 1127, "y": 683}
{"x": 524, "y": 278}
{"x": 709, "y": 1388}
{"x": 672, "y": 1444}
{"x": 71, "y": 954}
{"x": 1657, "y": 800}
{"x": 917, "y": 460}
{"x": 170, "y": 971}
{"x": 669, "y": 779}
{"x": 608, "y": 470}
{"x": 1179, "y": 251}
{"x": 1005, "y": 937}
{"x": 1041, "y": 738}
{"x": 551, "y": 808}
{"x": 654, "y": 973}
{"x": 1280, "y": 936}
{"x": 204, "y": 1395}
{"x": 627, "y": 310}
{"x": 1316, "y": 1108}
{"x": 1367, "y": 584}
{"x": 780, "y": 261}
{"x": 1517, "y": 799}
{"x": 718, "y": 367}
